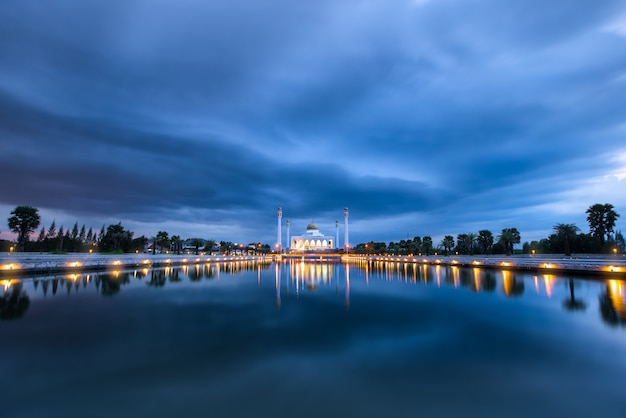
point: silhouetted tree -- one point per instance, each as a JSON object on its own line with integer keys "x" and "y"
{"x": 24, "y": 221}
{"x": 567, "y": 233}
{"x": 601, "y": 220}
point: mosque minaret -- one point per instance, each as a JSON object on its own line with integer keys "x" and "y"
{"x": 346, "y": 242}
{"x": 279, "y": 241}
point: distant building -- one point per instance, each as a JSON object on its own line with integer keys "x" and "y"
{"x": 312, "y": 240}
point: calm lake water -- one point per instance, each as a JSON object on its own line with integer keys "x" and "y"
{"x": 313, "y": 340}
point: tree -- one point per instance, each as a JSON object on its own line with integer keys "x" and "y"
{"x": 177, "y": 243}
{"x": 162, "y": 239}
{"x": 197, "y": 243}
{"x": 116, "y": 239}
{"x": 24, "y": 221}
{"x": 447, "y": 243}
{"x": 508, "y": 238}
{"x": 485, "y": 240}
{"x": 427, "y": 245}
{"x": 601, "y": 220}
{"x": 619, "y": 241}
{"x": 567, "y": 233}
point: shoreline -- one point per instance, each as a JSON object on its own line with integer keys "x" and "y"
{"x": 581, "y": 264}
{"x": 25, "y": 264}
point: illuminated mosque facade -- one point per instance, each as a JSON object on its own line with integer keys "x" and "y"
{"x": 313, "y": 239}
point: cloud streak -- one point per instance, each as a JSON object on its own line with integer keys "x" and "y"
{"x": 441, "y": 115}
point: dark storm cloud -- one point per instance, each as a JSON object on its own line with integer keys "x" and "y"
{"x": 146, "y": 110}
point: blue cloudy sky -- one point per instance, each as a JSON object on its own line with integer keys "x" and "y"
{"x": 424, "y": 117}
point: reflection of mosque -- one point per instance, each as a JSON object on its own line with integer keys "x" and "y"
{"x": 295, "y": 277}
{"x": 299, "y": 276}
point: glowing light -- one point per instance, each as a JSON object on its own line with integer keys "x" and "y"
{"x": 72, "y": 277}
{"x": 476, "y": 263}
{"x": 6, "y": 284}
{"x": 74, "y": 264}
{"x": 117, "y": 263}
{"x": 146, "y": 262}
{"x": 455, "y": 262}
{"x": 614, "y": 269}
{"x": 168, "y": 261}
{"x": 184, "y": 260}
{"x": 10, "y": 266}
{"x": 548, "y": 265}
{"x": 505, "y": 264}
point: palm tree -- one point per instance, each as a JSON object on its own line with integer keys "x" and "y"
{"x": 601, "y": 220}
{"x": 567, "y": 232}
{"x": 509, "y": 237}
{"x": 485, "y": 240}
{"x": 471, "y": 240}
{"x": 427, "y": 244}
{"x": 177, "y": 243}
{"x": 197, "y": 243}
{"x": 447, "y": 243}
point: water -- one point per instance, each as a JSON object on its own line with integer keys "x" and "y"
{"x": 311, "y": 340}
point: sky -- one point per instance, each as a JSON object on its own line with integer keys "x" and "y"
{"x": 423, "y": 117}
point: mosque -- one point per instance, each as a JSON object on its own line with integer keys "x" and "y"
{"x": 312, "y": 240}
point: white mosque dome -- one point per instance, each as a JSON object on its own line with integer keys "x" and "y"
{"x": 312, "y": 227}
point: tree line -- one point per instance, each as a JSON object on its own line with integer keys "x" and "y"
{"x": 566, "y": 239}
{"x": 25, "y": 220}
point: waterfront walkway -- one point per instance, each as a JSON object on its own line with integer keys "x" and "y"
{"x": 21, "y": 264}
{"x": 551, "y": 263}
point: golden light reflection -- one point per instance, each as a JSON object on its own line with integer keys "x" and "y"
{"x": 74, "y": 264}
{"x": 505, "y": 264}
{"x": 476, "y": 263}
{"x": 614, "y": 269}
{"x": 117, "y": 263}
{"x": 616, "y": 291}
{"x": 6, "y": 284}
{"x": 507, "y": 282}
{"x": 476, "y": 272}
{"x": 548, "y": 265}
{"x": 548, "y": 281}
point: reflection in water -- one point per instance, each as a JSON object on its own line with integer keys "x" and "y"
{"x": 613, "y": 303}
{"x": 14, "y": 302}
{"x": 572, "y": 303}
{"x": 511, "y": 284}
{"x": 300, "y": 276}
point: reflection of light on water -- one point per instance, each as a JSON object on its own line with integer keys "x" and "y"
{"x": 347, "y": 296}
{"x": 615, "y": 290}
{"x": 536, "y": 284}
{"x": 455, "y": 276}
{"x": 6, "y": 284}
{"x": 311, "y": 275}
{"x": 476, "y": 272}
{"x": 548, "y": 280}
{"x": 507, "y": 282}
{"x": 438, "y": 272}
